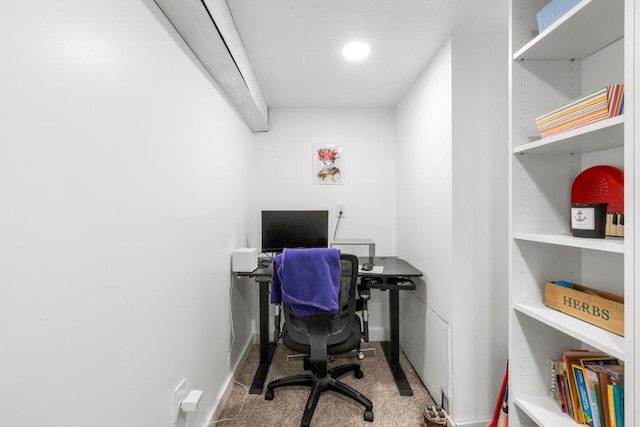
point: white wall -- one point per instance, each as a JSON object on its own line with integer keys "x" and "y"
{"x": 123, "y": 180}
{"x": 451, "y": 222}
{"x": 479, "y": 321}
{"x": 424, "y": 120}
{"x": 283, "y": 177}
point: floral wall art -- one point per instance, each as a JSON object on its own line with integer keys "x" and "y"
{"x": 328, "y": 164}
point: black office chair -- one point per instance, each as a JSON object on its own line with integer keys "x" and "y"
{"x": 322, "y": 335}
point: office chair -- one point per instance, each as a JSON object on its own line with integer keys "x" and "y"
{"x": 321, "y": 335}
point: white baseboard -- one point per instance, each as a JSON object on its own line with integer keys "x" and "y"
{"x": 217, "y": 411}
{"x": 470, "y": 423}
{"x": 378, "y": 333}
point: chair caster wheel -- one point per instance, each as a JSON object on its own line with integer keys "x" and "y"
{"x": 368, "y": 416}
{"x": 358, "y": 374}
{"x": 268, "y": 395}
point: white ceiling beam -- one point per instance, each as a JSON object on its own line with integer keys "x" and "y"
{"x": 208, "y": 29}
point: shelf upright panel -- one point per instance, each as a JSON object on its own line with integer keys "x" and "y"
{"x": 632, "y": 193}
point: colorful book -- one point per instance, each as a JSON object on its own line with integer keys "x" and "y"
{"x": 578, "y": 372}
{"x": 616, "y": 374}
{"x": 556, "y": 366}
{"x": 570, "y": 358}
{"x": 565, "y": 382}
{"x": 604, "y": 103}
{"x": 563, "y": 393}
{"x": 607, "y": 361}
{"x": 615, "y": 100}
{"x": 617, "y": 391}
{"x": 592, "y": 383}
{"x": 553, "y": 380}
{"x": 603, "y": 381}
{"x": 611, "y": 406}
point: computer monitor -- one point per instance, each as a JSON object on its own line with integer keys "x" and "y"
{"x": 294, "y": 229}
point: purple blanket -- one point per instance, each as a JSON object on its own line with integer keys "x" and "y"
{"x": 308, "y": 279}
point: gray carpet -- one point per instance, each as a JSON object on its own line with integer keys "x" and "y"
{"x": 389, "y": 408}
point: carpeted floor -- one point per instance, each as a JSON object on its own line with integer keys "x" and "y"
{"x": 389, "y": 408}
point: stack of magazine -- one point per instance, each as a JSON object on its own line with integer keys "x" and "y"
{"x": 604, "y": 103}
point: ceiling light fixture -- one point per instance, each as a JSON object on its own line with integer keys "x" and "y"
{"x": 356, "y": 51}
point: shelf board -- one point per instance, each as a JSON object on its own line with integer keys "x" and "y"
{"x": 352, "y": 241}
{"x": 589, "y": 334}
{"x": 597, "y": 136}
{"x": 608, "y": 244}
{"x": 544, "y": 411}
{"x": 573, "y": 35}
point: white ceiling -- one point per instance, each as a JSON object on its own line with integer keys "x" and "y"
{"x": 294, "y": 45}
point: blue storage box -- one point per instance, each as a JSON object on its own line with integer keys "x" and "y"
{"x": 553, "y": 11}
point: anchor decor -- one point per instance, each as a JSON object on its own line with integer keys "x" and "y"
{"x": 580, "y": 217}
{"x": 583, "y": 220}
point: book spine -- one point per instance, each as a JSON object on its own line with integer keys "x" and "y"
{"x": 618, "y": 403}
{"x": 563, "y": 394}
{"x": 615, "y": 95}
{"x": 570, "y": 400}
{"x": 612, "y": 406}
{"x": 553, "y": 382}
{"x": 592, "y": 382}
{"x": 603, "y": 400}
{"x": 595, "y": 409}
{"x": 567, "y": 393}
{"x": 582, "y": 395}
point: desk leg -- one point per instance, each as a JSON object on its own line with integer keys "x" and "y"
{"x": 391, "y": 348}
{"x": 266, "y": 347}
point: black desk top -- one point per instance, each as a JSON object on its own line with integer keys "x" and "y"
{"x": 396, "y": 273}
{"x": 393, "y": 267}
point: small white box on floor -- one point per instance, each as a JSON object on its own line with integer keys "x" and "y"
{"x": 244, "y": 259}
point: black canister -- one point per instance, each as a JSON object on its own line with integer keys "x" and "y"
{"x": 589, "y": 219}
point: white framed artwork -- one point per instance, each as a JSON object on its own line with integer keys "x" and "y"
{"x": 328, "y": 164}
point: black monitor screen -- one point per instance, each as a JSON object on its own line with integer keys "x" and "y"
{"x": 294, "y": 229}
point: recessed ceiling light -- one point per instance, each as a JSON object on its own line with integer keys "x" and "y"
{"x": 356, "y": 51}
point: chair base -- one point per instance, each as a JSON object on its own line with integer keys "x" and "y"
{"x": 321, "y": 384}
{"x": 356, "y": 352}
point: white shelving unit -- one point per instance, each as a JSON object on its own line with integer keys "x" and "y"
{"x": 588, "y": 48}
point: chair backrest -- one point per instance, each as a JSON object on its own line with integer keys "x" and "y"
{"x": 340, "y": 324}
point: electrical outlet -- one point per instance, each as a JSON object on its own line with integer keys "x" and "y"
{"x": 341, "y": 207}
{"x": 179, "y": 393}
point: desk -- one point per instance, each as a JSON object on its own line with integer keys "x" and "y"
{"x": 355, "y": 242}
{"x": 395, "y": 277}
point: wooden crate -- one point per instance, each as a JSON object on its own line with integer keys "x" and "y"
{"x": 599, "y": 308}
